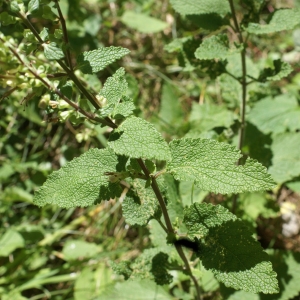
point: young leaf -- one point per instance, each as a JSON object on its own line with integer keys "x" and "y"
{"x": 282, "y": 19}
{"x": 281, "y": 70}
{"x": 276, "y": 115}
{"x": 143, "y": 23}
{"x": 229, "y": 250}
{"x": 90, "y": 62}
{"x": 113, "y": 92}
{"x": 215, "y": 47}
{"x": 114, "y": 87}
{"x": 52, "y": 52}
{"x": 33, "y": 5}
{"x": 212, "y": 165}
{"x": 124, "y": 109}
{"x": 197, "y": 7}
{"x": 81, "y": 182}
{"x": 138, "y": 138}
{"x": 140, "y": 204}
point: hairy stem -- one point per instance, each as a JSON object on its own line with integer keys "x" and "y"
{"x": 243, "y": 82}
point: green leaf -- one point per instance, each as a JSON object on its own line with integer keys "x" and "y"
{"x": 282, "y": 19}
{"x": 14, "y": 193}
{"x": 152, "y": 264}
{"x": 114, "y": 88}
{"x": 276, "y": 115}
{"x": 93, "y": 282}
{"x": 208, "y": 116}
{"x": 258, "y": 147}
{"x": 135, "y": 290}
{"x": 195, "y": 7}
{"x": 140, "y": 204}
{"x": 294, "y": 186}
{"x": 10, "y": 241}
{"x": 252, "y": 205}
{"x": 33, "y": 5}
{"x": 216, "y": 47}
{"x": 200, "y": 217}
{"x": 81, "y": 182}
{"x": 143, "y": 23}
{"x": 124, "y": 109}
{"x": 48, "y": 13}
{"x": 212, "y": 165}
{"x": 231, "y": 90}
{"x": 90, "y": 62}
{"x": 52, "y": 52}
{"x": 229, "y": 250}
{"x": 170, "y": 107}
{"x": 6, "y": 170}
{"x": 210, "y": 21}
{"x": 177, "y": 44}
{"x": 138, "y": 138}
{"x": 286, "y": 157}
{"x": 281, "y": 69}
{"x": 6, "y": 19}
{"x": 44, "y": 34}
{"x": 286, "y": 264}
{"x": 67, "y": 90}
{"x": 190, "y": 192}
{"x": 14, "y": 7}
{"x": 122, "y": 268}
{"x": 113, "y": 97}
{"x": 74, "y": 250}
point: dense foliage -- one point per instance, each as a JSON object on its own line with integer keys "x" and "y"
{"x": 149, "y": 151}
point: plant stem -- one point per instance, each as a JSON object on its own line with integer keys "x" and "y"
{"x": 244, "y": 75}
{"x": 243, "y": 82}
{"x": 189, "y": 270}
{"x": 65, "y": 35}
{"x": 70, "y": 72}
{"x": 57, "y": 91}
{"x": 169, "y": 227}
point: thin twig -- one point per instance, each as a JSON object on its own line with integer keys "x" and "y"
{"x": 57, "y": 91}
{"x": 65, "y": 35}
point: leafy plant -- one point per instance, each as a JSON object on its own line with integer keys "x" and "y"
{"x": 143, "y": 169}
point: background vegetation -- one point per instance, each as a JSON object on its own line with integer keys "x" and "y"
{"x": 54, "y": 253}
